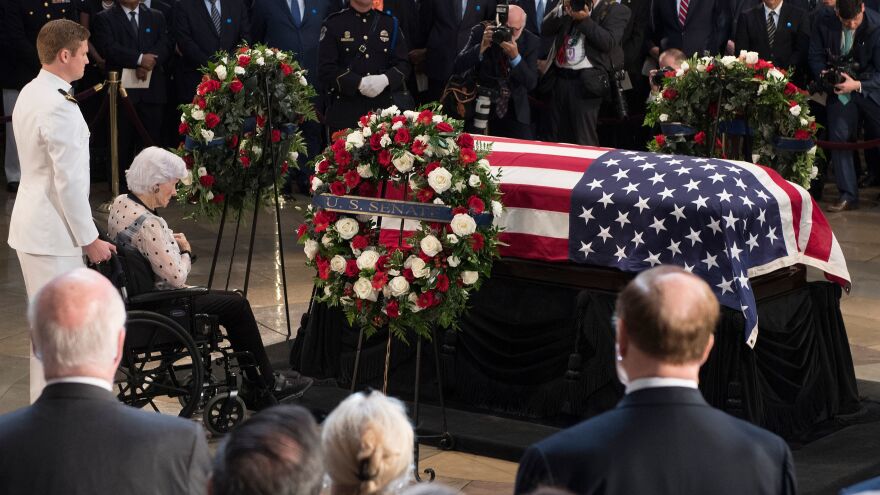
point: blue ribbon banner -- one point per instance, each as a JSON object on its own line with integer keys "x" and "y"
{"x": 676, "y": 129}
{"x": 425, "y": 212}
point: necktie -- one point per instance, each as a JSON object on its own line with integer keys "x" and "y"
{"x": 539, "y": 14}
{"x": 844, "y": 50}
{"x": 771, "y": 28}
{"x": 682, "y": 12}
{"x": 134, "y": 22}
{"x": 379, "y": 4}
{"x": 215, "y": 15}
{"x": 294, "y": 9}
{"x": 463, "y": 8}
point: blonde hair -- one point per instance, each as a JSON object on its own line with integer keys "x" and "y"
{"x": 57, "y": 35}
{"x": 368, "y": 444}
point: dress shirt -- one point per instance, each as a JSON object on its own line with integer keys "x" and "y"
{"x": 658, "y": 382}
{"x": 85, "y": 380}
{"x": 137, "y": 18}
{"x": 777, "y": 10}
{"x": 217, "y": 4}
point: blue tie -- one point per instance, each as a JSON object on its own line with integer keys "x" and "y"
{"x": 294, "y": 9}
{"x": 539, "y": 11}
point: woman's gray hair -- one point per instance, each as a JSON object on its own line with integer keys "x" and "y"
{"x": 154, "y": 166}
{"x": 368, "y": 444}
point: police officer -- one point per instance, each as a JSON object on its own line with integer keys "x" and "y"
{"x": 21, "y": 21}
{"x": 362, "y": 63}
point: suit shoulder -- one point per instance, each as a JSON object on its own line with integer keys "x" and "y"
{"x": 338, "y": 16}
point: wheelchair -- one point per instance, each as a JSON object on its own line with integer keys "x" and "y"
{"x": 175, "y": 361}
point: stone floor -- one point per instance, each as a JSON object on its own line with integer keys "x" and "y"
{"x": 856, "y": 231}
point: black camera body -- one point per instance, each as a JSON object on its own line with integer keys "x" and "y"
{"x": 835, "y": 68}
{"x": 660, "y": 75}
{"x": 502, "y": 31}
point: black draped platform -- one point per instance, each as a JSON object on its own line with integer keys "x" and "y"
{"x": 538, "y": 344}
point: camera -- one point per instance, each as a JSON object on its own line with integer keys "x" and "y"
{"x": 482, "y": 108}
{"x": 660, "y": 75}
{"x": 835, "y": 68}
{"x": 502, "y": 31}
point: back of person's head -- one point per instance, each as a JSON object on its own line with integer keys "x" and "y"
{"x": 275, "y": 452}
{"x": 849, "y": 9}
{"x": 154, "y": 166}
{"x": 76, "y": 321}
{"x": 429, "y": 489}
{"x": 368, "y": 444}
{"x": 672, "y": 57}
{"x": 669, "y": 314}
{"x": 58, "y": 35}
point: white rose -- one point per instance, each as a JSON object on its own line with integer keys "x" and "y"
{"x": 463, "y": 224}
{"x": 316, "y": 183}
{"x": 497, "y": 208}
{"x": 303, "y": 81}
{"x": 337, "y": 264}
{"x": 207, "y": 135}
{"x": 327, "y": 241}
{"x": 452, "y": 238}
{"x": 795, "y": 110}
{"x": 293, "y": 156}
{"x": 418, "y": 267}
{"x": 459, "y": 186}
{"x": 385, "y": 140}
{"x": 187, "y": 179}
{"x": 367, "y": 131}
{"x": 484, "y": 164}
{"x": 198, "y": 114}
{"x": 268, "y": 52}
{"x": 391, "y": 111}
{"x": 367, "y": 260}
{"x": 453, "y": 261}
{"x": 701, "y": 67}
{"x": 664, "y": 117}
{"x": 413, "y": 185}
{"x": 364, "y": 171}
{"x": 311, "y": 249}
{"x": 202, "y": 171}
{"x": 804, "y": 122}
{"x": 422, "y": 138}
{"x": 281, "y": 56}
{"x": 814, "y": 172}
{"x": 414, "y": 302}
{"x": 240, "y": 71}
{"x": 440, "y": 180}
{"x": 474, "y": 180}
{"x": 775, "y": 74}
{"x": 256, "y": 151}
{"x": 261, "y": 61}
{"x": 397, "y": 125}
{"x": 327, "y": 291}
{"x": 363, "y": 289}
{"x": 398, "y": 286}
{"x": 469, "y": 277}
{"x": 438, "y": 201}
{"x": 355, "y": 139}
{"x": 404, "y": 162}
{"x": 762, "y": 87}
{"x": 221, "y": 72}
{"x": 812, "y": 151}
{"x": 685, "y": 66}
{"x": 347, "y": 228}
{"x": 431, "y": 245}
{"x": 728, "y": 60}
{"x": 410, "y": 115}
{"x": 209, "y": 195}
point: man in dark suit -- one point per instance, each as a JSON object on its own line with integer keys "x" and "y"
{"x": 445, "y": 28}
{"x": 848, "y": 33}
{"x": 692, "y": 26}
{"x": 202, "y": 28}
{"x": 585, "y": 42}
{"x": 77, "y": 438}
{"x": 535, "y": 11}
{"x": 786, "y": 23}
{"x": 662, "y": 438}
{"x": 510, "y": 69}
{"x": 134, "y": 36}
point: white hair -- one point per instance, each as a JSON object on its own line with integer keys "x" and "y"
{"x": 368, "y": 444}
{"x": 154, "y": 166}
{"x": 75, "y": 321}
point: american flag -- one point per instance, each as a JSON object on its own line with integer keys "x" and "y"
{"x": 725, "y": 221}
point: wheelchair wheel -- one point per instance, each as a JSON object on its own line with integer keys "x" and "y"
{"x": 223, "y": 413}
{"x": 160, "y": 366}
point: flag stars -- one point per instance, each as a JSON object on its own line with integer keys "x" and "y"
{"x": 621, "y": 252}
{"x": 638, "y": 158}
{"x": 611, "y": 162}
{"x": 725, "y": 285}
{"x": 709, "y": 260}
{"x": 675, "y": 161}
{"x": 752, "y": 242}
{"x": 666, "y": 193}
{"x": 707, "y": 166}
{"x": 647, "y": 165}
{"x": 746, "y": 201}
{"x": 622, "y": 218}
{"x": 637, "y": 239}
{"x": 653, "y": 259}
{"x": 642, "y": 204}
{"x": 673, "y": 248}
{"x": 631, "y": 188}
{"x": 761, "y": 214}
{"x": 762, "y": 195}
{"x": 700, "y": 202}
{"x": 730, "y": 220}
{"x": 693, "y": 184}
{"x": 733, "y": 168}
{"x": 596, "y": 183}
{"x": 658, "y": 225}
{"x": 717, "y": 177}
{"x": 658, "y": 177}
{"x": 740, "y": 184}
{"x": 587, "y": 215}
{"x": 586, "y": 248}
{"x": 688, "y": 267}
{"x": 734, "y": 252}
{"x": 771, "y": 235}
{"x": 743, "y": 281}
{"x": 681, "y": 170}
{"x": 694, "y": 237}
{"x": 715, "y": 225}
{"x": 724, "y": 195}
{"x": 621, "y": 174}
{"x": 606, "y": 199}
{"x": 678, "y": 213}
{"x": 604, "y": 233}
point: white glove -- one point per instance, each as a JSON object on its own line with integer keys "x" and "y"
{"x": 371, "y": 86}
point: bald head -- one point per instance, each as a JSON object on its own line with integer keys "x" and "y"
{"x": 516, "y": 20}
{"x": 76, "y": 322}
{"x": 669, "y": 314}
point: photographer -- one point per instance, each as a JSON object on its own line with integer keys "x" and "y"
{"x": 845, "y": 56}
{"x": 670, "y": 60}
{"x": 586, "y": 33}
{"x": 504, "y": 58}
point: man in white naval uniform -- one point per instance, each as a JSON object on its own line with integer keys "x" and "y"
{"x": 51, "y": 224}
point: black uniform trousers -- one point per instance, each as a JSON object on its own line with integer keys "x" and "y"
{"x": 573, "y": 115}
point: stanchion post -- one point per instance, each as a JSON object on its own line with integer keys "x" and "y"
{"x": 113, "y": 81}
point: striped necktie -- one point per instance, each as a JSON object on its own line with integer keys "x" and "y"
{"x": 682, "y": 12}
{"x": 215, "y": 15}
{"x": 771, "y": 28}
{"x": 539, "y": 14}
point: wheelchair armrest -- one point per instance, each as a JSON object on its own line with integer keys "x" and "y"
{"x": 167, "y": 295}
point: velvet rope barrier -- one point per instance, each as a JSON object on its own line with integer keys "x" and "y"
{"x": 134, "y": 119}
{"x": 80, "y": 97}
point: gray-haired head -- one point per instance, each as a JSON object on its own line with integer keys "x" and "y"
{"x": 77, "y": 325}
{"x": 154, "y": 166}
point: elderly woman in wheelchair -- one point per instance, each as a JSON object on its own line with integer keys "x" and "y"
{"x": 135, "y": 223}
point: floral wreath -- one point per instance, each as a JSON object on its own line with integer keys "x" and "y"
{"x": 425, "y": 278}
{"x": 225, "y": 145}
{"x": 783, "y": 131}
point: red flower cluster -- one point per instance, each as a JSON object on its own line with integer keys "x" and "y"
{"x": 206, "y": 180}
{"x": 700, "y": 138}
{"x": 660, "y": 139}
{"x": 670, "y": 94}
{"x": 208, "y": 86}
{"x": 802, "y": 134}
{"x": 235, "y": 86}
{"x": 183, "y": 128}
{"x": 243, "y": 60}
{"x": 286, "y": 69}
{"x": 211, "y": 120}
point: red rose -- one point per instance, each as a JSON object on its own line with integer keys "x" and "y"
{"x": 365, "y": 120}
{"x": 477, "y": 241}
{"x": 669, "y": 74}
{"x": 337, "y": 188}
{"x": 261, "y": 121}
{"x": 188, "y": 161}
{"x": 418, "y": 148}
{"x": 398, "y": 118}
{"x": 425, "y": 117}
{"x": 792, "y": 103}
{"x": 459, "y": 209}
{"x": 468, "y": 155}
{"x": 243, "y": 60}
{"x": 301, "y": 231}
{"x": 759, "y": 77}
{"x": 476, "y": 205}
{"x": 360, "y": 242}
{"x": 211, "y": 120}
{"x": 183, "y": 128}
{"x": 392, "y": 309}
{"x": 201, "y": 103}
{"x": 322, "y": 220}
{"x": 660, "y": 139}
{"x": 375, "y": 141}
{"x": 351, "y": 268}
{"x": 711, "y": 67}
{"x": 286, "y": 69}
{"x": 243, "y": 49}
{"x": 425, "y": 195}
{"x": 218, "y": 198}
{"x": 323, "y": 268}
{"x": 343, "y": 158}
{"x": 700, "y": 138}
{"x": 379, "y": 280}
{"x": 352, "y": 179}
{"x": 408, "y": 275}
{"x": 323, "y": 166}
{"x": 402, "y": 136}
{"x": 367, "y": 189}
{"x": 426, "y": 299}
{"x": 284, "y": 167}
{"x": 763, "y": 64}
{"x": 384, "y": 158}
{"x": 801, "y": 134}
{"x": 207, "y": 180}
{"x": 431, "y": 167}
{"x": 233, "y": 142}
{"x": 276, "y": 135}
{"x": 443, "y": 127}
{"x": 465, "y": 140}
{"x": 338, "y": 145}
{"x": 235, "y": 86}
{"x": 442, "y": 283}
{"x": 245, "y": 161}
{"x": 790, "y": 89}
{"x": 669, "y": 94}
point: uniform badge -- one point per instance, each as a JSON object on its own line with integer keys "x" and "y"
{"x": 383, "y": 35}
{"x": 347, "y": 37}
